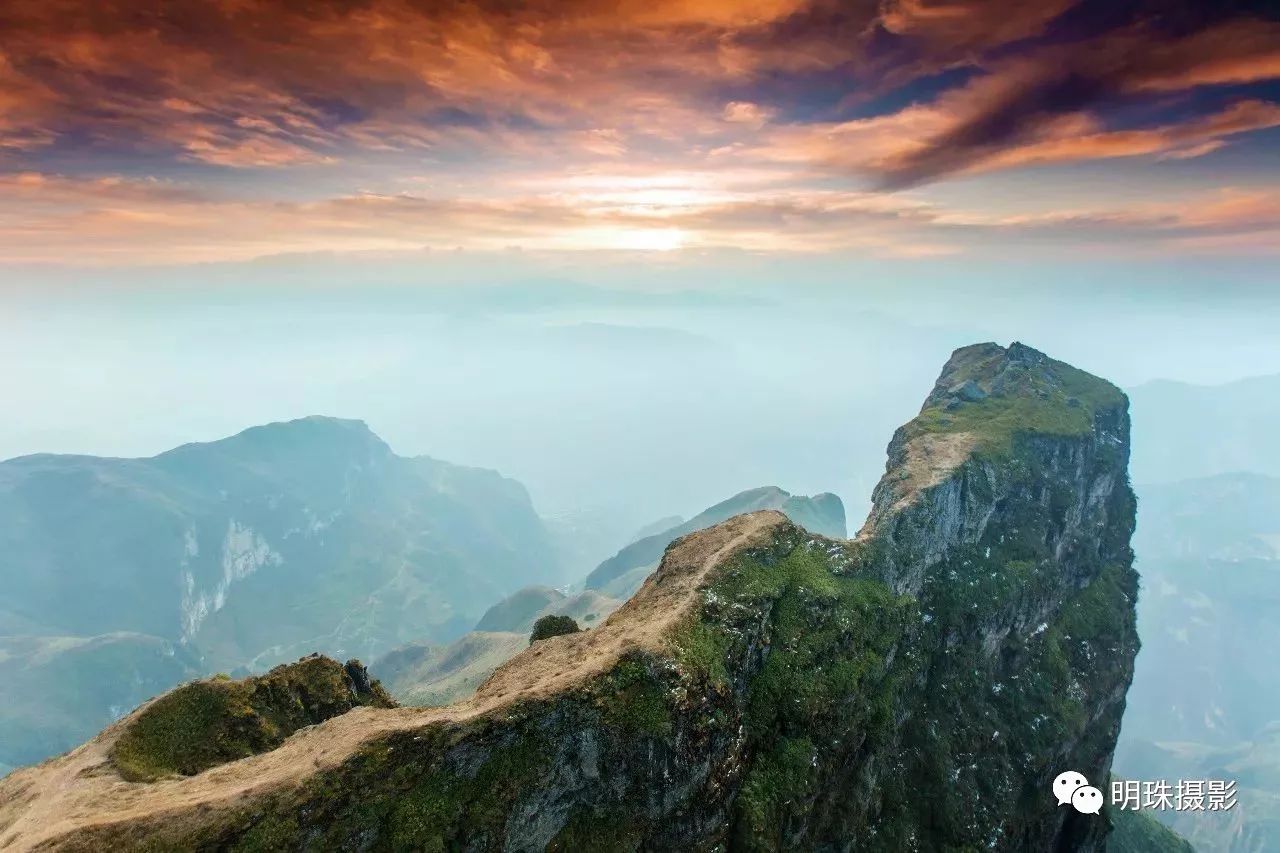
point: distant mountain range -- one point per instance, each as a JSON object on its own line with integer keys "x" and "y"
{"x": 1208, "y": 551}
{"x": 1225, "y": 517}
{"x": 432, "y": 675}
{"x": 1206, "y": 695}
{"x": 1185, "y": 431}
{"x": 426, "y": 674}
{"x": 122, "y": 577}
{"x": 519, "y": 611}
{"x": 621, "y": 574}
{"x": 58, "y": 689}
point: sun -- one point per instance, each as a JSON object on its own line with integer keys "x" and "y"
{"x": 651, "y": 239}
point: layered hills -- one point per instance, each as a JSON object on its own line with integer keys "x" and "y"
{"x": 767, "y": 688}
{"x": 430, "y": 674}
{"x": 1205, "y": 701}
{"x": 124, "y": 577}
{"x": 1184, "y": 433}
{"x": 621, "y": 574}
{"x": 60, "y": 690}
{"x": 422, "y": 674}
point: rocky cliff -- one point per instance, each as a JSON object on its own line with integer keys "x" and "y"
{"x": 916, "y": 688}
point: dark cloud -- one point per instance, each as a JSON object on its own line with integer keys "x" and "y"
{"x": 273, "y": 83}
{"x": 1023, "y": 96}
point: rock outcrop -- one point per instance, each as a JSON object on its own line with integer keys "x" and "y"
{"x": 917, "y": 688}
{"x": 210, "y": 722}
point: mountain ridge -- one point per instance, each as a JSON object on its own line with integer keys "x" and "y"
{"x": 421, "y": 674}
{"x": 824, "y": 512}
{"x": 766, "y": 688}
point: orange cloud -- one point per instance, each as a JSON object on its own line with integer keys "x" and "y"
{"x": 262, "y": 83}
{"x": 263, "y": 68}
{"x": 589, "y": 123}
{"x": 1043, "y": 107}
{"x": 900, "y": 143}
{"x": 1062, "y": 142}
{"x": 1234, "y": 52}
{"x": 745, "y": 112}
{"x": 121, "y": 221}
{"x": 970, "y": 24}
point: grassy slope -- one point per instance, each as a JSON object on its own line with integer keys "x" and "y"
{"x": 206, "y": 723}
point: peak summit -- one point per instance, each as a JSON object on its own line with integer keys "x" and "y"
{"x": 302, "y": 434}
{"x": 992, "y": 408}
{"x": 976, "y": 373}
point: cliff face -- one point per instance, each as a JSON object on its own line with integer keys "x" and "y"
{"x": 917, "y": 688}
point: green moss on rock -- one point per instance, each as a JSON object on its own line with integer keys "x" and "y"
{"x": 448, "y": 786}
{"x": 995, "y": 394}
{"x": 633, "y": 698}
{"x": 206, "y": 723}
{"x": 600, "y": 831}
{"x": 445, "y": 807}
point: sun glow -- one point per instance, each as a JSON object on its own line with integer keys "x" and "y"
{"x": 623, "y": 239}
{"x": 656, "y": 195}
{"x": 645, "y": 239}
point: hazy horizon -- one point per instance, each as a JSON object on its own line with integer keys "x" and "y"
{"x": 648, "y": 384}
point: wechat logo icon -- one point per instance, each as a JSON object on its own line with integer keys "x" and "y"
{"x": 1072, "y": 787}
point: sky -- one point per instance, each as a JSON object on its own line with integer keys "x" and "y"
{"x": 639, "y": 254}
{"x": 225, "y": 130}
